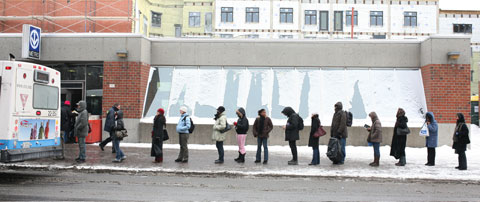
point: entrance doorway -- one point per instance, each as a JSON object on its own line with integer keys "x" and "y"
{"x": 73, "y": 91}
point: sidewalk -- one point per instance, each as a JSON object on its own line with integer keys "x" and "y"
{"x": 202, "y": 158}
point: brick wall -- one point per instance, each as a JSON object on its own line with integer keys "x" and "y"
{"x": 447, "y": 90}
{"x": 74, "y": 9}
{"x": 130, "y": 80}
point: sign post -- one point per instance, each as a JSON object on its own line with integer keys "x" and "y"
{"x": 31, "y": 42}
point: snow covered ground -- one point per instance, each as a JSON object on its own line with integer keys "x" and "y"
{"x": 356, "y": 164}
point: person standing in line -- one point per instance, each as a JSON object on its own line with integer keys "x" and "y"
{"x": 159, "y": 123}
{"x": 65, "y": 117}
{"x": 399, "y": 141}
{"x": 241, "y": 127}
{"x": 432, "y": 139}
{"x": 81, "y": 130}
{"x": 119, "y": 125}
{"x": 460, "y": 141}
{"x": 218, "y": 135}
{"x": 375, "y": 137}
{"x": 183, "y": 127}
{"x": 339, "y": 128}
{"x": 313, "y": 141}
{"x": 109, "y": 126}
{"x": 261, "y": 128}
{"x": 292, "y": 132}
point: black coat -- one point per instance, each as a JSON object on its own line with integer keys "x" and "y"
{"x": 110, "y": 120}
{"x": 399, "y": 142}
{"x": 461, "y": 138}
{"x": 312, "y": 141}
{"x": 291, "y": 131}
{"x": 66, "y": 117}
{"x": 242, "y": 123}
{"x": 339, "y": 122}
{"x": 158, "y": 126}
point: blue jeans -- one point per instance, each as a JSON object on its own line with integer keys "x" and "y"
{"x": 260, "y": 142}
{"x": 81, "y": 145}
{"x": 343, "y": 142}
{"x": 116, "y": 145}
{"x": 376, "y": 149}
{"x": 316, "y": 156}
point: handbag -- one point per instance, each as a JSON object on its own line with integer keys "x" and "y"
{"x": 121, "y": 134}
{"x": 424, "y": 131}
{"x": 403, "y": 131}
{"x": 165, "y": 135}
{"x": 320, "y": 132}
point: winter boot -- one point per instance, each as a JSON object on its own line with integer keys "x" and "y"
{"x": 241, "y": 158}
{"x": 238, "y": 158}
{"x": 376, "y": 162}
{"x": 401, "y": 162}
{"x": 373, "y": 162}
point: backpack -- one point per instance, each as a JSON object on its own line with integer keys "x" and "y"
{"x": 192, "y": 126}
{"x": 300, "y": 123}
{"x": 349, "y": 116}
{"x": 334, "y": 152}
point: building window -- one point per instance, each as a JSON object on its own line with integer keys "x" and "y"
{"x": 226, "y": 36}
{"x": 286, "y": 15}
{"x": 310, "y": 17}
{"x": 379, "y": 36}
{"x": 338, "y": 21}
{"x": 156, "y": 19}
{"x": 252, "y": 36}
{"x": 252, "y": 15}
{"x": 194, "y": 19}
{"x": 410, "y": 19}
{"x": 208, "y": 22}
{"x": 462, "y": 28}
{"x": 145, "y": 25}
{"x": 286, "y": 36}
{"x": 323, "y": 20}
{"x": 376, "y": 18}
{"x": 227, "y": 14}
{"x": 348, "y": 16}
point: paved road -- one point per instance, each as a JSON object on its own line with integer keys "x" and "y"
{"x": 67, "y": 185}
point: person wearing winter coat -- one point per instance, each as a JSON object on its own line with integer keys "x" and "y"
{"x": 313, "y": 141}
{"x": 261, "y": 128}
{"x": 183, "y": 128}
{"x": 81, "y": 130}
{"x": 460, "y": 141}
{"x": 432, "y": 139}
{"x": 375, "y": 137}
{"x": 339, "y": 128}
{"x": 241, "y": 127}
{"x": 65, "y": 117}
{"x": 399, "y": 141}
{"x": 119, "y": 125}
{"x": 109, "y": 126}
{"x": 218, "y": 135}
{"x": 292, "y": 132}
{"x": 159, "y": 123}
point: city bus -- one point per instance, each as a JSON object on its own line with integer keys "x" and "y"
{"x": 29, "y": 111}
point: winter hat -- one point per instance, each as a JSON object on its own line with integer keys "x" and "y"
{"x": 161, "y": 111}
{"x": 67, "y": 103}
{"x": 221, "y": 109}
{"x": 183, "y": 109}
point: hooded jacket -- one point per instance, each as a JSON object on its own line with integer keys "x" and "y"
{"x": 242, "y": 123}
{"x": 81, "y": 124}
{"x": 432, "y": 139}
{"x": 375, "y": 134}
{"x": 184, "y": 124}
{"x": 460, "y": 135}
{"x": 220, "y": 124}
{"x": 291, "y": 131}
{"x": 110, "y": 119}
{"x": 339, "y": 122}
{"x": 119, "y": 125}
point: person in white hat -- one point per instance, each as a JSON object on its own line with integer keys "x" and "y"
{"x": 183, "y": 127}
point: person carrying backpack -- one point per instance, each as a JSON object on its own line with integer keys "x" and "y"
{"x": 292, "y": 128}
{"x": 183, "y": 131}
{"x": 339, "y": 128}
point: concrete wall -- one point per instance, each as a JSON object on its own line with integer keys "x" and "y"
{"x": 278, "y": 53}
